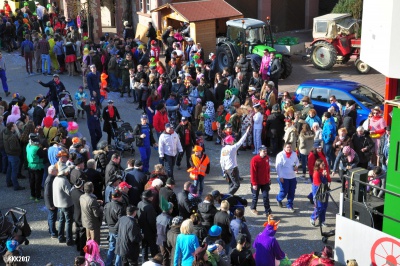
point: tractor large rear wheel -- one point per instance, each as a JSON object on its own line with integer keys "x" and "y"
{"x": 224, "y": 57}
{"x": 286, "y": 66}
{"x": 323, "y": 55}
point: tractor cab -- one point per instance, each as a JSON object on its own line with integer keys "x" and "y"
{"x": 332, "y": 25}
{"x": 246, "y": 33}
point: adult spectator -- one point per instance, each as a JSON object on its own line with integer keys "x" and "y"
{"x": 269, "y": 94}
{"x": 315, "y": 154}
{"x": 341, "y": 140}
{"x": 275, "y": 129}
{"x": 223, "y": 220}
{"x": 137, "y": 179}
{"x": 320, "y": 192}
{"x": 256, "y": 81}
{"x": 186, "y": 244}
{"x": 286, "y": 166}
{"x": 160, "y": 119}
{"x": 239, "y": 226}
{"x": 93, "y": 82}
{"x": 233, "y": 200}
{"x": 113, "y": 211}
{"x": 147, "y": 216}
{"x": 172, "y": 235}
{"x": 347, "y": 159}
{"x": 198, "y": 229}
{"x": 111, "y": 187}
{"x": 333, "y": 102}
{"x": 275, "y": 69}
{"x": 188, "y": 140}
{"x": 3, "y": 75}
{"x": 35, "y": 155}
{"x": 94, "y": 176}
{"x": 27, "y": 48}
{"x": 77, "y": 172}
{"x": 228, "y": 161}
{"x": 156, "y": 184}
{"x": 163, "y": 222}
{"x": 169, "y": 195}
{"x": 220, "y": 90}
{"x": 305, "y": 107}
{"x": 150, "y": 34}
{"x": 124, "y": 188}
{"x": 44, "y": 49}
{"x": 38, "y": 112}
{"x": 212, "y": 68}
{"x": 306, "y": 143}
{"x": 124, "y": 67}
{"x": 93, "y": 121}
{"x": 92, "y": 213}
{"x": 384, "y": 144}
{"x": 130, "y": 236}
{"x": 48, "y": 201}
{"x": 110, "y": 116}
{"x": 376, "y": 129}
{"x": 328, "y": 136}
{"x": 241, "y": 84}
{"x": 40, "y": 11}
{"x": 143, "y": 133}
{"x": 207, "y": 211}
{"x": 363, "y": 146}
{"x": 168, "y": 148}
{"x": 80, "y": 231}
{"x": 113, "y": 167}
{"x": 183, "y": 201}
{"x": 63, "y": 201}
{"x": 12, "y": 148}
{"x": 260, "y": 180}
{"x": 55, "y": 87}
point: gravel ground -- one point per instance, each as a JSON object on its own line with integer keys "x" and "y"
{"x": 295, "y": 235}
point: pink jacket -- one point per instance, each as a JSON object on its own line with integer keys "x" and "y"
{"x": 265, "y": 64}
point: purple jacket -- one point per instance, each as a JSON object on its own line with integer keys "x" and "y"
{"x": 267, "y": 247}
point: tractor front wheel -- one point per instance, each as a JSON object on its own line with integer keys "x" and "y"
{"x": 286, "y": 66}
{"x": 224, "y": 57}
{"x": 323, "y": 55}
{"x": 362, "y": 67}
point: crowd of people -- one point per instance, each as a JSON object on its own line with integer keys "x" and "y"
{"x": 183, "y": 103}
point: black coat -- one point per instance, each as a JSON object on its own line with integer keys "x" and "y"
{"x": 147, "y": 216}
{"x": 220, "y": 94}
{"x": 38, "y": 115}
{"x": 75, "y": 196}
{"x": 184, "y": 204}
{"x": 223, "y": 220}
{"x": 113, "y": 211}
{"x": 200, "y": 231}
{"x": 137, "y": 179}
{"x": 48, "y": 192}
{"x": 129, "y": 237}
{"x": 353, "y": 114}
{"x": 107, "y": 119}
{"x": 360, "y": 142}
{"x": 97, "y": 179}
{"x": 54, "y": 89}
{"x": 168, "y": 194}
{"x": 111, "y": 169}
{"x": 180, "y": 130}
{"x": 138, "y": 131}
{"x": 276, "y": 125}
{"x": 207, "y": 212}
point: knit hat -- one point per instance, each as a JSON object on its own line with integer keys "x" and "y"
{"x": 170, "y": 181}
{"x": 78, "y": 160}
{"x": 177, "y": 220}
{"x": 229, "y": 139}
{"x": 11, "y": 245}
{"x": 72, "y": 127}
{"x": 197, "y": 148}
{"x": 215, "y": 230}
{"x": 215, "y": 194}
{"x": 147, "y": 194}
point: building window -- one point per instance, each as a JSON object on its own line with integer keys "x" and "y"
{"x": 148, "y": 6}
{"x": 140, "y": 5}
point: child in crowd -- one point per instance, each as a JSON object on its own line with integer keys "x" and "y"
{"x": 80, "y": 96}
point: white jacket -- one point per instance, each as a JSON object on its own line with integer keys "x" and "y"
{"x": 169, "y": 144}
{"x": 284, "y": 165}
{"x": 228, "y": 158}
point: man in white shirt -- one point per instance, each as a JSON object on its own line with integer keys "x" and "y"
{"x": 169, "y": 146}
{"x": 286, "y": 167}
{"x": 39, "y": 14}
{"x": 228, "y": 161}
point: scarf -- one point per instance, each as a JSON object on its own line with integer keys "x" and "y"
{"x": 350, "y": 153}
{"x": 288, "y": 154}
{"x": 92, "y": 109}
{"x": 111, "y": 111}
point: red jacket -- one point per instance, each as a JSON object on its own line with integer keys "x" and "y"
{"x": 159, "y": 121}
{"x": 259, "y": 170}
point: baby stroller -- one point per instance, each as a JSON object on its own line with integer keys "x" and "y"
{"x": 124, "y": 138}
{"x": 66, "y": 105}
{"x": 13, "y": 225}
{"x": 172, "y": 112}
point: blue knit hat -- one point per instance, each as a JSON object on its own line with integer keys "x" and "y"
{"x": 11, "y": 245}
{"x": 215, "y": 230}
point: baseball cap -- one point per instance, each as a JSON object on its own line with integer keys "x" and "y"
{"x": 92, "y": 99}
{"x": 168, "y": 125}
{"x": 144, "y": 117}
{"x": 124, "y": 185}
{"x": 183, "y": 118}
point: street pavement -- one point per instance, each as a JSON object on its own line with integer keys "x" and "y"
{"x": 295, "y": 234}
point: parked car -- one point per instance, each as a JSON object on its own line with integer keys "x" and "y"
{"x": 320, "y": 90}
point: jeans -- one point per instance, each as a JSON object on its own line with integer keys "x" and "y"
{"x": 4, "y": 161}
{"x": 234, "y": 180}
{"x": 199, "y": 184}
{"x": 328, "y": 150}
{"x": 287, "y": 188}
{"x": 12, "y": 171}
{"x": 111, "y": 248}
{"x": 51, "y": 221}
{"x": 65, "y": 220}
{"x": 319, "y": 207}
{"x": 145, "y": 153}
{"x": 35, "y": 182}
{"x": 95, "y": 132}
{"x": 169, "y": 162}
{"x": 257, "y": 139}
{"x": 4, "y": 80}
{"x": 114, "y": 81}
{"x": 304, "y": 159}
{"x": 46, "y": 58}
{"x": 265, "y": 193}
{"x": 28, "y": 61}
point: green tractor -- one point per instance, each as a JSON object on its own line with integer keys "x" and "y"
{"x": 249, "y": 37}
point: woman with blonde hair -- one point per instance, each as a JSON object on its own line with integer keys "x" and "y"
{"x": 341, "y": 140}
{"x": 306, "y": 143}
{"x": 186, "y": 244}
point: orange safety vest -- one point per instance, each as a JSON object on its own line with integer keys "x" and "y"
{"x": 200, "y": 166}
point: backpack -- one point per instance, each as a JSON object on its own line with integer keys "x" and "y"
{"x": 27, "y": 48}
